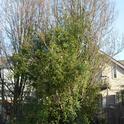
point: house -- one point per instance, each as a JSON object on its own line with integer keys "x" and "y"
{"x": 113, "y": 76}
{"x": 7, "y": 88}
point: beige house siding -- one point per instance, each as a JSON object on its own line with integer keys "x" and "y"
{"x": 115, "y": 84}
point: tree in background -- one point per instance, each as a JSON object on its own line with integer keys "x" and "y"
{"x": 54, "y": 49}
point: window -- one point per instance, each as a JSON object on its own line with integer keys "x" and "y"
{"x": 114, "y": 71}
{"x": 110, "y": 100}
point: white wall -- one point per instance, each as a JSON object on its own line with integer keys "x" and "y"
{"x": 116, "y": 84}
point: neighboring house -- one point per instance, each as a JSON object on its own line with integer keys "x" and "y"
{"x": 113, "y": 76}
{"x": 5, "y": 79}
{"x": 7, "y": 87}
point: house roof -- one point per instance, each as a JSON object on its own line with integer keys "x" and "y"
{"x": 120, "y": 63}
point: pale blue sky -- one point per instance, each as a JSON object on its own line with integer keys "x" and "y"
{"x": 119, "y": 24}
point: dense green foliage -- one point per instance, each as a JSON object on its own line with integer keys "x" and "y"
{"x": 61, "y": 66}
{"x": 61, "y": 73}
